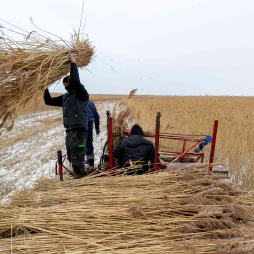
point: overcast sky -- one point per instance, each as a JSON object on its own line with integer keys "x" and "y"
{"x": 164, "y": 47}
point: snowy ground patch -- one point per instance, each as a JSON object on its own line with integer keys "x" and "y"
{"x": 29, "y": 151}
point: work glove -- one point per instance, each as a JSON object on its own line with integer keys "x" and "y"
{"x": 98, "y": 131}
{"x": 72, "y": 57}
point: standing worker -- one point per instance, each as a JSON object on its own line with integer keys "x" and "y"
{"x": 75, "y": 120}
{"x": 93, "y": 117}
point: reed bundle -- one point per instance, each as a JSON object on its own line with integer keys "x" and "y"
{"x": 180, "y": 211}
{"x": 30, "y": 65}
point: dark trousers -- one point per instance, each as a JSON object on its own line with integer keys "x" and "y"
{"x": 75, "y": 146}
{"x": 89, "y": 144}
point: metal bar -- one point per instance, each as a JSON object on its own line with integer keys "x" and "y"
{"x": 157, "y": 136}
{"x": 185, "y": 152}
{"x": 185, "y": 135}
{"x": 111, "y": 159}
{"x": 184, "y": 149}
{"x": 175, "y": 137}
{"x": 197, "y": 160}
{"x": 180, "y": 137}
{"x": 215, "y": 129}
{"x": 60, "y": 163}
{"x": 69, "y": 171}
{"x": 177, "y": 153}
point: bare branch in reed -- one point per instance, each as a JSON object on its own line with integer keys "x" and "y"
{"x": 29, "y": 66}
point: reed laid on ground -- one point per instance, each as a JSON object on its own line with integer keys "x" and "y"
{"x": 29, "y": 66}
{"x": 179, "y": 211}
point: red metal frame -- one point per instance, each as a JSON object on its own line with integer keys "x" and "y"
{"x": 61, "y": 172}
{"x": 215, "y": 129}
{"x": 184, "y": 153}
{"x": 157, "y": 136}
{"x": 61, "y": 166}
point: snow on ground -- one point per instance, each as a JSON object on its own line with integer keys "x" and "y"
{"x": 30, "y": 149}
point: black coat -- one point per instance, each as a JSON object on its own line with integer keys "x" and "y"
{"x": 135, "y": 148}
{"x": 74, "y": 103}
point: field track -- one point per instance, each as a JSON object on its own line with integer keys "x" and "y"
{"x": 28, "y": 152}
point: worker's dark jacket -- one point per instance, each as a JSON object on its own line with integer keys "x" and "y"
{"x": 74, "y": 102}
{"x": 93, "y": 115}
{"x": 135, "y": 148}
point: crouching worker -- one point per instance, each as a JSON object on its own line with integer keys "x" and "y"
{"x": 75, "y": 120}
{"x": 135, "y": 148}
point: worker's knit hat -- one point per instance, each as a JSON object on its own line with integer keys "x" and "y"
{"x": 66, "y": 79}
{"x": 137, "y": 130}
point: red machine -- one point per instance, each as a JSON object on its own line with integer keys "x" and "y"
{"x": 184, "y": 156}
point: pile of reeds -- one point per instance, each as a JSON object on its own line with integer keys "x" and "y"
{"x": 30, "y": 65}
{"x": 180, "y": 211}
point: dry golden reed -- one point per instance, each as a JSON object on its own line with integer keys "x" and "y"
{"x": 121, "y": 118}
{"x": 196, "y": 115}
{"x": 29, "y": 66}
{"x": 166, "y": 213}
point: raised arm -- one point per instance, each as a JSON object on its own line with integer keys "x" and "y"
{"x": 82, "y": 94}
{"x": 56, "y": 101}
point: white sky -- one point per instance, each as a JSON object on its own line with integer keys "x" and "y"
{"x": 188, "y": 47}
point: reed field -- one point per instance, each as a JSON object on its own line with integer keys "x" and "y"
{"x": 196, "y": 115}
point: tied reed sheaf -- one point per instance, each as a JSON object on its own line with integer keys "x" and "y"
{"x": 30, "y": 65}
{"x": 179, "y": 211}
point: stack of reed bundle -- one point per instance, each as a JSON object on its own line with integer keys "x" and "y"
{"x": 29, "y": 66}
{"x": 181, "y": 211}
